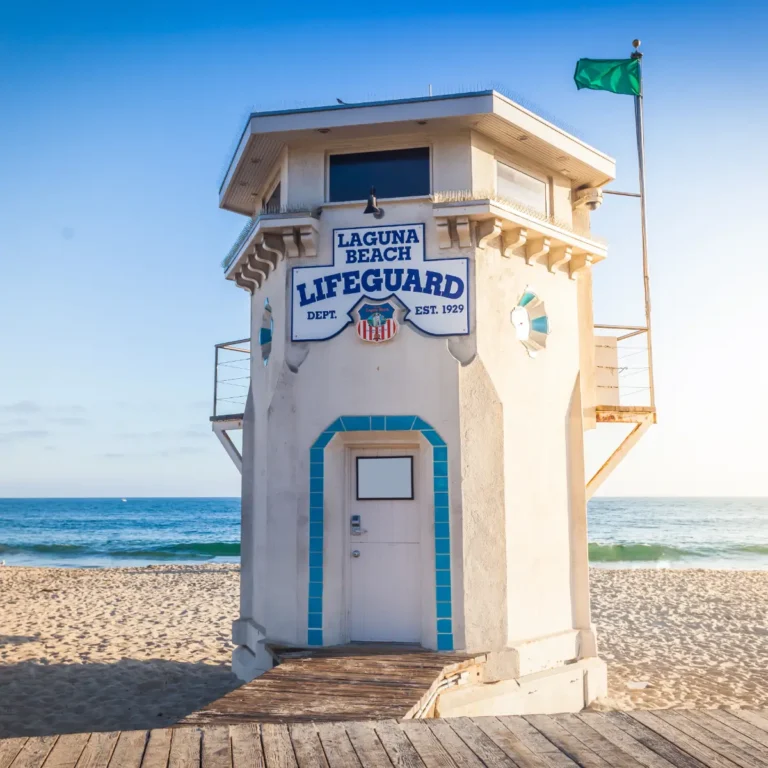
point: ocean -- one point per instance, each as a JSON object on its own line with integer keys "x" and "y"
{"x": 623, "y": 532}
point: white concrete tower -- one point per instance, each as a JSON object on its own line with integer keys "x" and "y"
{"x": 421, "y": 376}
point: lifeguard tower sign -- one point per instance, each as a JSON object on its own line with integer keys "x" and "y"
{"x": 377, "y": 263}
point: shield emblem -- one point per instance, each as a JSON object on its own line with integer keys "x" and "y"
{"x": 377, "y": 323}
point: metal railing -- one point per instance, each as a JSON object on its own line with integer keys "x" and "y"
{"x": 245, "y": 233}
{"x": 622, "y": 366}
{"x": 232, "y": 377}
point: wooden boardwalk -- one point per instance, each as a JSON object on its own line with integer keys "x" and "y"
{"x": 350, "y": 682}
{"x": 654, "y": 739}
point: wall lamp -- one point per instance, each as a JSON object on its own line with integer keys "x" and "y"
{"x": 373, "y": 206}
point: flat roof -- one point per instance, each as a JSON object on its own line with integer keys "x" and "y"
{"x": 488, "y": 111}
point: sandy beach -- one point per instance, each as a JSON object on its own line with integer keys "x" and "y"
{"x": 113, "y": 648}
{"x": 699, "y": 638}
{"x": 103, "y": 649}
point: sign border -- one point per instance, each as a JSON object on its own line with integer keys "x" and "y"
{"x": 408, "y": 309}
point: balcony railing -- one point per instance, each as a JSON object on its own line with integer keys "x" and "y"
{"x": 621, "y": 362}
{"x": 621, "y": 359}
{"x": 232, "y": 378}
{"x": 245, "y": 233}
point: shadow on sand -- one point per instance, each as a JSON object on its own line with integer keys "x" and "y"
{"x": 18, "y": 639}
{"x": 38, "y": 699}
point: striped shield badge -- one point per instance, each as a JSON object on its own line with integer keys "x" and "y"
{"x": 377, "y": 323}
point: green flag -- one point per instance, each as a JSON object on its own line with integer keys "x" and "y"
{"x": 615, "y": 75}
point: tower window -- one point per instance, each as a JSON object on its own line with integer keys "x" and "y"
{"x": 394, "y": 173}
{"x": 523, "y": 188}
{"x": 272, "y": 203}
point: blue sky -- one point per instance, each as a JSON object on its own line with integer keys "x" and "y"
{"x": 118, "y": 119}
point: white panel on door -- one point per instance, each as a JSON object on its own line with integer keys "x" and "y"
{"x": 385, "y": 593}
{"x": 384, "y": 477}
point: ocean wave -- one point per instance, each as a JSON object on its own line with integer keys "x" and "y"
{"x": 45, "y": 549}
{"x": 756, "y": 549}
{"x": 636, "y": 552}
{"x": 205, "y": 550}
{"x": 614, "y": 553}
{"x": 181, "y": 550}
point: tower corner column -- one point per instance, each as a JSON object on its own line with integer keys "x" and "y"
{"x": 251, "y": 658}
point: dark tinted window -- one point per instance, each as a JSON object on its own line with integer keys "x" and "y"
{"x": 273, "y": 204}
{"x": 394, "y": 173}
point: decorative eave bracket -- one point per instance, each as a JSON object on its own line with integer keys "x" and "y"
{"x": 271, "y": 241}
{"x": 479, "y": 223}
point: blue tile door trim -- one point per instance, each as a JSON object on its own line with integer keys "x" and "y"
{"x": 442, "y": 528}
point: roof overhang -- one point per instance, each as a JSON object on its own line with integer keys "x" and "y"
{"x": 488, "y": 112}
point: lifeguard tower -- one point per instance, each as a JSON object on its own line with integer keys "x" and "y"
{"x": 421, "y": 369}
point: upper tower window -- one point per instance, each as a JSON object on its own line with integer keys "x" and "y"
{"x": 394, "y": 173}
{"x": 272, "y": 202}
{"x": 531, "y": 191}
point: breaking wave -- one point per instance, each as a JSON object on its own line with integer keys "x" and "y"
{"x": 182, "y": 551}
{"x": 627, "y": 553}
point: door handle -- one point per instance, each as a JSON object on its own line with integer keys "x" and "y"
{"x": 355, "y": 553}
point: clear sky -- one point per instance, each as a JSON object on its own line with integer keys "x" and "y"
{"x": 117, "y": 120}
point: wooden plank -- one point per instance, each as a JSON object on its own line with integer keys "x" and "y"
{"x": 460, "y": 753}
{"x": 652, "y": 740}
{"x": 306, "y": 746}
{"x": 337, "y": 746}
{"x": 216, "y": 751}
{"x": 185, "y": 748}
{"x": 623, "y": 740}
{"x": 129, "y": 749}
{"x": 158, "y": 748}
{"x": 424, "y": 742}
{"x": 98, "y": 750}
{"x": 400, "y": 751}
{"x": 369, "y": 749}
{"x": 489, "y": 753}
{"x": 758, "y": 719}
{"x": 9, "y": 748}
{"x": 566, "y": 742}
{"x": 537, "y": 743}
{"x": 348, "y": 684}
{"x": 34, "y": 752}
{"x": 67, "y": 750}
{"x": 728, "y": 734}
{"x": 710, "y": 738}
{"x": 246, "y": 746}
{"x": 509, "y": 743}
{"x": 739, "y": 724}
{"x": 278, "y": 750}
{"x": 658, "y": 739}
{"x": 696, "y": 749}
{"x": 610, "y": 752}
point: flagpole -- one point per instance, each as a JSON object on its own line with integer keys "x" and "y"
{"x": 639, "y": 127}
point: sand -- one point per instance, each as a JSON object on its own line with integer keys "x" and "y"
{"x": 699, "y": 638}
{"x": 118, "y": 649}
{"x": 112, "y": 649}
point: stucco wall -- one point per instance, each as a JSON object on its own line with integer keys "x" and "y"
{"x": 306, "y": 175}
{"x": 536, "y": 396}
{"x": 512, "y": 425}
{"x": 484, "y": 525}
{"x": 414, "y": 374}
{"x": 451, "y": 166}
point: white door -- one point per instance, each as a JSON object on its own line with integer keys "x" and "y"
{"x": 384, "y": 574}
